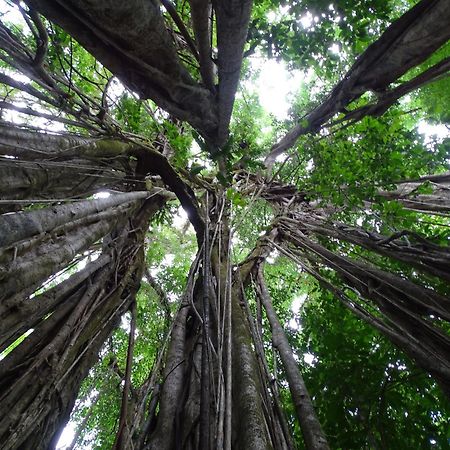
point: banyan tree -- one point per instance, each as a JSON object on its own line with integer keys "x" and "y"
{"x": 302, "y": 302}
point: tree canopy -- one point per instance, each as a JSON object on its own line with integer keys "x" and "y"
{"x": 181, "y": 268}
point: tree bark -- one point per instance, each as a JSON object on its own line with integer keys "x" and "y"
{"x": 29, "y": 265}
{"x": 249, "y": 424}
{"x": 30, "y": 180}
{"x": 232, "y": 25}
{"x": 28, "y": 313}
{"x": 409, "y": 310}
{"x": 313, "y": 434}
{"x": 417, "y": 252}
{"x": 40, "y": 378}
{"x": 406, "y": 43}
{"x": 131, "y": 40}
{"x": 436, "y": 202}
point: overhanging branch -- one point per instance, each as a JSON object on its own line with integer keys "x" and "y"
{"x": 405, "y": 44}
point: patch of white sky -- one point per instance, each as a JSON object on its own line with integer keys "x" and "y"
{"x": 180, "y": 219}
{"x": 12, "y": 14}
{"x": 294, "y": 324}
{"x": 275, "y": 85}
{"x": 432, "y": 131}
{"x": 297, "y": 303}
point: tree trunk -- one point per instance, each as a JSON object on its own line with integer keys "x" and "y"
{"x": 313, "y": 434}
{"x": 39, "y": 243}
{"x": 179, "y": 422}
{"x": 40, "y": 377}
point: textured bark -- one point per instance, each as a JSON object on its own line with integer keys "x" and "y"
{"x": 28, "y": 266}
{"x": 40, "y": 378}
{"x": 406, "y": 308}
{"x": 19, "y": 226}
{"x": 164, "y": 435}
{"x": 131, "y": 40}
{"x": 249, "y": 428}
{"x": 154, "y": 162}
{"x": 29, "y": 144}
{"x": 313, "y": 434}
{"x": 179, "y": 422}
{"x": 386, "y": 99}
{"x": 206, "y": 375}
{"x": 279, "y": 431}
{"x": 33, "y": 145}
{"x": 28, "y": 313}
{"x": 232, "y": 24}
{"x": 417, "y": 251}
{"x": 35, "y": 180}
{"x": 438, "y": 201}
{"x": 200, "y": 13}
{"x": 123, "y": 432}
{"x": 37, "y": 165}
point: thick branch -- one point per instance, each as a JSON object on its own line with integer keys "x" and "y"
{"x": 232, "y": 25}
{"x": 421, "y": 254}
{"x": 200, "y": 13}
{"x": 130, "y": 39}
{"x": 16, "y": 227}
{"x": 405, "y": 44}
{"x": 388, "y": 98}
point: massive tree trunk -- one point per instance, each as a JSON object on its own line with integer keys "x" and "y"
{"x": 214, "y": 389}
{"x": 134, "y": 44}
{"x": 213, "y": 330}
{"x": 40, "y": 377}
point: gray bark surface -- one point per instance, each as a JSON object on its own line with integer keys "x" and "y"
{"x": 131, "y": 40}
{"x": 313, "y": 434}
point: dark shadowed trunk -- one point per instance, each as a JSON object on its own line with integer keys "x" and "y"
{"x": 40, "y": 378}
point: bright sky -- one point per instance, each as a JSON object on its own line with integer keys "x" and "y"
{"x": 274, "y": 86}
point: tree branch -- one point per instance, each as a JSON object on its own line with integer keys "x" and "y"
{"x": 405, "y": 44}
{"x": 232, "y": 24}
{"x": 200, "y": 14}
